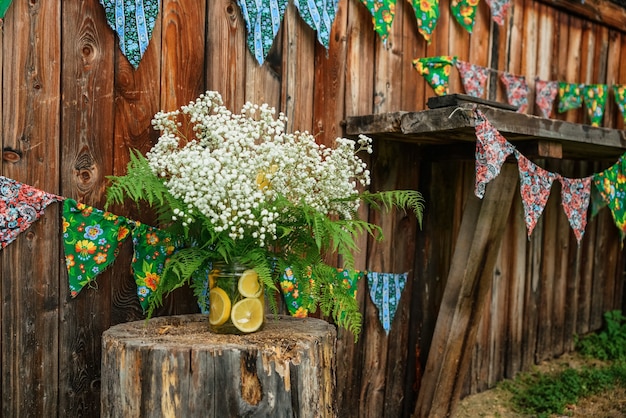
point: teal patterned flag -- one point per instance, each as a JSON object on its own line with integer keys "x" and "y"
{"x": 319, "y": 15}
{"x": 133, "y": 21}
{"x": 385, "y": 292}
{"x": 263, "y": 19}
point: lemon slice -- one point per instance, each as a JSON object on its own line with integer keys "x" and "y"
{"x": 219, "y": 306}
{"x": 249, "y": 285}
{"x": 247, "y": 314}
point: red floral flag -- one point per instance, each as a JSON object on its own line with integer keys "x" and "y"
{"x": 492, "y": 149}
{"x": 474, "y": 78}
{"x": 516, "y": 91}
{"x": 545, "y": 93}
{"x": 535, "y": 184}
{"x": 20, "y": 206}
{"x": 575, "y": 197}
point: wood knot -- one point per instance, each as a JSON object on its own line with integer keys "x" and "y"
{"x": 11, "y": 156}
{"x": 251, "y": 390}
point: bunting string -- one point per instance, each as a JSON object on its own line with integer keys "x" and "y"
{"x": 436, "y": 72}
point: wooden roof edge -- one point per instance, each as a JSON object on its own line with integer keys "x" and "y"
{"x": 604, "y": 12}
{"x": 416, "y": 126}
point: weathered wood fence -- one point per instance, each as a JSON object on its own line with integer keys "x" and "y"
{"x": 72, "y": 106}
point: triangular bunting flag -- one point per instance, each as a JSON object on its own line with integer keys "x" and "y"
{"x": 152, "y": 248}
{"x": 436, "y": 71}
{"x": 319, "y": 15}
{"x": 594, "y": 96}
{"x": 383, "y": 12}
{"x": 575, "y": 197}
{"x": 91, "y": 240}
{"x": 133, "y": 21}
{"x": 535, "y": 184}
{"x": 516, "y": 91}
{"x": 4, "y": 5}
{"x": 427, "y": 15}
{"x": 569, "y": 96}
{"x": 474, "y": 78}
{"x": 498, "y": 10}
{"x": 296, "y": 305}
{"x": 620, "y": 98}
{"x": 20, "y": 206}
{"x": 385, "y": 292}
{"x": 464, "y": 12}
{"x": 611, "y": 183}
{"x": 492, "y": 149}
{"x": 263, "y": 19}
{"x": 545, "y": 93}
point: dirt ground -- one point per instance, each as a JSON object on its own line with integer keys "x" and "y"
{"x": 496, "y": 403}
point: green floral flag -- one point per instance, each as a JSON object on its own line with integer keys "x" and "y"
{"x": 594, "y": 96}
{"x": 91, "y": 239}
{"x": 464, "y": 12}
{"x": 427, "y": 15}
{"x": 383, "y": 12}
{"x": 620, "y": 98}
{"x": 611, "y": 183}
{"x": 569, "y": 96}
{"x": 4, "y": 5}
{"x": 436, "y": 71}
{"x": 298, "y": 306}
{"x": 152, "y": 249}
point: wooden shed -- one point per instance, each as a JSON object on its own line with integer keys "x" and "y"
{"x": 483, "y": 300}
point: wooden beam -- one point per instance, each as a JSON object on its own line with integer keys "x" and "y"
{"x": 601, "y": 11}
{"x": 453, "y": 124}
{"x": 469, "y": 282}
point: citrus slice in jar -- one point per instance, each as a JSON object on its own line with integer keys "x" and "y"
{"x": 247, "y": 315}
{"x": 249, "y": 285}
{"x": 219, "y": 306}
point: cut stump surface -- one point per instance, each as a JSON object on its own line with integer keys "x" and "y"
{"x": 174, "y": 366}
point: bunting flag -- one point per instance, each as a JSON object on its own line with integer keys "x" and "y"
{"x": 383, "y": 12}
{"x": 427, "y": 15}
{"x": 594, "y": 96}
{"x": 464, "y": 12}
{"x": 575, "y": 197}
{"x": 385, "y": 292}
{"x": 516, "y": 90}
{"x": 91, "y": 240}
{"x": 474, "y": 78}
{"x": 133, "y": 21}
{"x": 545, "y": 93}
{"x": 569, "y": 96}
{"x": 4, "y": 5}
{"x": 492, "y": 149}
{"x": 611, "y": 183}
{"x": 20, "y": 206}
{"x": 535, "y": 184}
{"x": 620, "y": 98}
{"x": 263, "y": 19}
{"x": 499, "y": 9}
{"x": 152, "y": 248}
{"x": 436, "y": 71}
{"x": 319, "y": 15}
{"x": 296, "y": 305}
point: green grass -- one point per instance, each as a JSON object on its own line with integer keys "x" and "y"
{"x": 542, "y": 394}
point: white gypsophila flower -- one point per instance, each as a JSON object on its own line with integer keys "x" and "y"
{"x": 231, "y": 167}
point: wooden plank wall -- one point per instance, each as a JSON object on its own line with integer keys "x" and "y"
{"x": 72, "y": 106}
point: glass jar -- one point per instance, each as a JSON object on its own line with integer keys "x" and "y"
{"x": 236, "y": 299}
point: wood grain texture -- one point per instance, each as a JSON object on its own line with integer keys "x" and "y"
{"x": 173, "y": 366}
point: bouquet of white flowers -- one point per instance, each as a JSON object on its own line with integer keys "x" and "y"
{"x": 237, "y": 186}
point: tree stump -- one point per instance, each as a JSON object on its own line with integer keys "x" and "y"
{"x": 175, "y": 367}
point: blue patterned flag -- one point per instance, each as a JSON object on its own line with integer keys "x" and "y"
{"x": 133, "y": 21}
{"x": 263, "y": 19}
{"x": 319, "y": 15}
{"x": 385, "y": 292}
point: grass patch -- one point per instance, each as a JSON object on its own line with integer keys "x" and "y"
{"x": 543, "y": 394}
